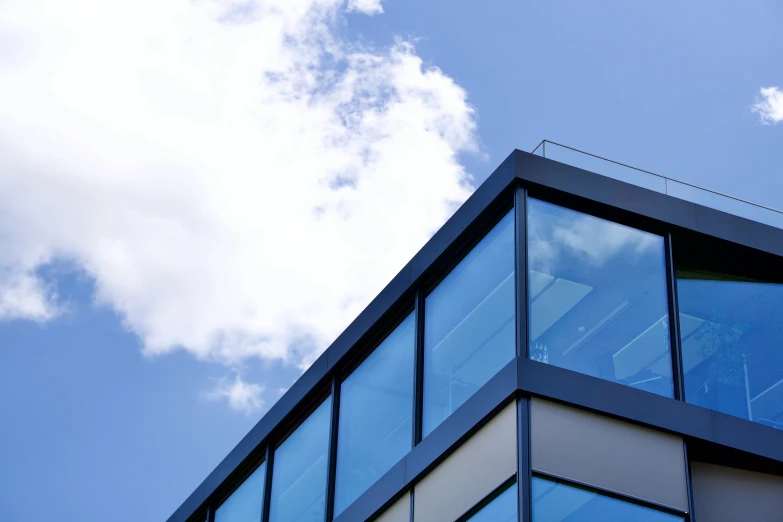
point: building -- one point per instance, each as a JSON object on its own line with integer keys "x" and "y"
{"x": 574, "y": 344}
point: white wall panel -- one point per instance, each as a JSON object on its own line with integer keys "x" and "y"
{"x": 723, "y": 494}
{"x": 471, "y": 473}
{"x": 608, "y": 453}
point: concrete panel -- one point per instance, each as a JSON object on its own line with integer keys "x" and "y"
{"x": 400, "y": 511}
{"x": 471, "y": 473}
{"x": 607, "y": 453}
{"x": 723, "y": 494}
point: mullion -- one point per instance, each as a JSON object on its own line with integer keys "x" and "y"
{"x": 678, "y": 376}
{"x": 267, "y": 484}
{"x": 332, "y": 455}
{"x": 524, "y": 472}
{"x": 418, "y": 377}
{"x": 689, "y": 484}
{"x": 520, "y": 269}
{"x": 524, "y": 468}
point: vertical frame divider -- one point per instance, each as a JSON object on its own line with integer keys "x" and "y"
{"x": 331, "y": 460}
{"x": 210, "y": 514}
{"x": 524, "y": 474}
{"x": 267, "y": 504}
{"x": 418, "y": 375}
{"x": 674, "y": 322}
{"x": 689, "y": 484}
{"x": 524, "y": 470}
{"x": 520, "y": 268}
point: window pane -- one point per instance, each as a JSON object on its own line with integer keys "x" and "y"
{"x": 469, "y": 325}
{"x": 731, "y": 329}
{"x": 247, "y": 502}
{"x": 376, "y": 409}
{"x": 502, "y": 508}
{"x": 597, "y": 298}
{"x": 558, "y": 502}
{"x": 299, "y": 472}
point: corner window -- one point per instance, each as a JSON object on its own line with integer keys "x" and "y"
{"x": 732, "y": 344}
{"x": 299, "y": 471}
{"x": 597, "y": 298}
{"x": 469, "y": 332}
{"x": 376, "y": 412}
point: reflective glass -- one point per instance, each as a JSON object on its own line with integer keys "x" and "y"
{"x": 376, "y": 411}
{"x": 732, "y": 344}
{"x": 502, "y": 508}
{"x": 247, "y": 502}
{"x": 558, "y": 502}
{"x": 597, "y": 298}
{"x": 469, "y": 325}
{"x": 299, "y": 471}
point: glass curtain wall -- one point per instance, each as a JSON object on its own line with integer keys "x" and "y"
{"x": 376, "y": 415}
{"x": 732, "y": 344}
{"x": 555, "y": 501}
{"x": 299, "y": 471}
{"x": 469, "y": 330}
{"x": 246, "y": 503}
{"x": 597, "y": 298}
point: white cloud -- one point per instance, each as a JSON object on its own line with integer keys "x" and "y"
{"x": 369, "y": 7}
{"x": 237, "y": 179}
{"x": 241, "y": 396}
{"x": 769, "y": 106}
{"x": 25, "y": 296}
{"x": 555, "y": 234}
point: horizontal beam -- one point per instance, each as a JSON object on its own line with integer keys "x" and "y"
{"x": 526, "y": 378}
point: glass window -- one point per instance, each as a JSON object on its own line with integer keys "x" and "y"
{"x": 247, "y": 502}
{"x": 469, "y": 332}
{"x": 502, "y": 508}
{"x": 597, "y": 298}
{"x": 299, "y": 471}
{"x": 732, "y": 344}
{"x": 557, "y": 502}
{"x": 376, "y": 411}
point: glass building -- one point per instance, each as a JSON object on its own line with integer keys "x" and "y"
{"x": 581, "y": 341}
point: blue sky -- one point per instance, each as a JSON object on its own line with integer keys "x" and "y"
{"x": 135, "y": 350}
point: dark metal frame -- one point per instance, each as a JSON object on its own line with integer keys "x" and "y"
{"x": 707, "y": 434}
{"x": 331, "y": 459}
{"x": 502, "y": 488}
{"x": 418, "y": 377}
{"x": 609, "y": 493}
{"x": 678, "y": 377}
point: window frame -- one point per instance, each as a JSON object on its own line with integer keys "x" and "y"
{"x": 505, "y": 205}
{"x": 611, "y": 494}
{"x": 620, "y": 217}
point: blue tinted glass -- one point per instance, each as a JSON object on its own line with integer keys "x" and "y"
{"x": 558, "y": 502}
{"x": 299, "y": 471}
{"x": 732, "y": 345}
{"x": 246, "y": 502}
{"x": 502, "y": 509}
{"x": 598, "y": 299}
{"x": 376, "y": 409}
{"x": 469, "y": 325}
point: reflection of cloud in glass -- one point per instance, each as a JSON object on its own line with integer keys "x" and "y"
{"x": 555, "y": 231}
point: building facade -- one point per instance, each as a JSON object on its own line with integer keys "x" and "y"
{"x": 581, "y": 341}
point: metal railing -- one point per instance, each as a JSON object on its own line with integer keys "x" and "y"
{"x": 650, "y": 180}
